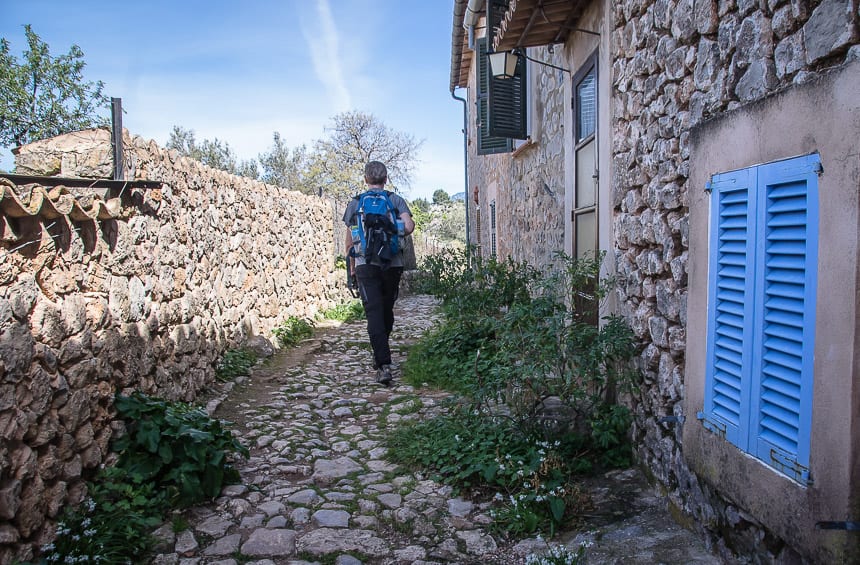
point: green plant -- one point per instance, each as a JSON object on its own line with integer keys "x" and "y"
{"x": 346, "y": 312}
{"x": 293, "y": 330}
{"x": 512, "y": 335}
{"x": 176, "y": 447}
{"x": 532, "y": 478}
{"x": 448, "y": 356}
{"x": 93, "y": 533}
{"x": 235, "y": 363}
{"x": 540, "y": 379}
{"x": 179, "y": 523}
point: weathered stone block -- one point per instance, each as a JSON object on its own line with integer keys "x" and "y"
{"x": 831, "y": 27}
{"x": 790, "y": 55}
{"x": 759, "y": 79}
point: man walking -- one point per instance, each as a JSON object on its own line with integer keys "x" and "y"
{"x": 378, "y": 274}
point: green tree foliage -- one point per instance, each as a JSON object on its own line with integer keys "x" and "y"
{"x": 441, "y": 197}
{"x": 43, "y": 96}
{"x": 293, "y": 169}
{"x": 420, "y": 213}
{"x": 354, "y": 139}
{"x": 217, "y": 154}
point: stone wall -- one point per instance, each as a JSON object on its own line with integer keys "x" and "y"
{"x": 106, "y": 291}
{"x": 677, "y": 63}
{"x": 526, "y": 185}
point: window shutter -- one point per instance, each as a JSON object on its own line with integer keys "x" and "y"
{"x": 507, "y": 113}
{"x": 487, "y": 144}
{"x": 761, "y": 311}
{"x": 782, "y": 402}
{"x": 730, "y": 305}
{"x": 507, "y": 97}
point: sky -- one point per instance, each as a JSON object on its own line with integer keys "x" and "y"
{"x": 239, "y": 71}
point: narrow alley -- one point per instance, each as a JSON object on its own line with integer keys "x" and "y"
{"x": 318, "y": 488}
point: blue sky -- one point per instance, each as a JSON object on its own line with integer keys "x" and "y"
{"x": 238, "y": 71}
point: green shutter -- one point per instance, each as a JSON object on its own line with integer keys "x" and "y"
{"x": 507, "y": 97}
{"x": 487, "y": 144}
{"x": 507, "y": 112}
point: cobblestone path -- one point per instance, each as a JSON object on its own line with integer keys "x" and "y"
{"x": 318, "y": 488}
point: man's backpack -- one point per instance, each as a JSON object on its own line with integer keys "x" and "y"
{"x": 377, "y": 227}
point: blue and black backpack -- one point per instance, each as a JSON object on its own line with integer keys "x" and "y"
{"x": 377, "y": 236}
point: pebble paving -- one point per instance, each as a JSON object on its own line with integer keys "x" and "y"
{"x": 319, "y": 489}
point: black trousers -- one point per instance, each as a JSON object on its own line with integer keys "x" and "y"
{"x": 379, "y": 289}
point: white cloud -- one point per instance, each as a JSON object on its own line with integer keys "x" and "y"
{"x": 324, "y": 44}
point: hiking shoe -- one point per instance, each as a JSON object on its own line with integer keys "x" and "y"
{"x": 383, "y": 375}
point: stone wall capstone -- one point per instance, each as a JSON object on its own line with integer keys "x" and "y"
{"x": 144, "y": 290}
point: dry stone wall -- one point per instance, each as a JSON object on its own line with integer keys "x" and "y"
{"x": 142, "y": 290}
{"x": 677, "y": 63}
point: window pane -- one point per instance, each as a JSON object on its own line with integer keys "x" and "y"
{"x": 585, "y": 175}
{"x": 586, "y": 234}
{"x": 586, "y": 106}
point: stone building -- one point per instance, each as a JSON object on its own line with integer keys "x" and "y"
{"x": 709, "y": 147}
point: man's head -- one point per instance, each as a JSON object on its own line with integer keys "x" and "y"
{"x": 375, "y": 173}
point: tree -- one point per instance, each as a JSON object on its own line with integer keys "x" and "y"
{"x": 441, "y": 197}
{"x": 354, "y": 139}
{"x": 290, "y": 169}
{"x": 44, "y": 96}
{"x": 420, "y": 213}
{"x": 216, "y": 154}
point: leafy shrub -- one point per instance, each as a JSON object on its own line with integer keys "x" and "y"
{"x": 172, "y": 454}
{"x": 346, "y": 312}
{"x": 541, "y": 379}
{"x": 293, "y": 330}
{"x": 176, "y": 447}
{"x": 448, "y": 356}
{"x": 235, "y": 363}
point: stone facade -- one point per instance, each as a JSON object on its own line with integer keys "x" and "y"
{"x": 674, "y": 64}
{"x": 145, "y": 296}
{"x": 529, "y": 199}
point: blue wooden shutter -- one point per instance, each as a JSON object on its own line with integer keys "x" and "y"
{"x": 730, "y": 305}
{"x": 487, "y": 144}
{"x": 783, "y": 364}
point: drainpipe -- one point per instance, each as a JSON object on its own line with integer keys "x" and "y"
{"x": 465, "y": 170}
{"x": 470, "y": 19}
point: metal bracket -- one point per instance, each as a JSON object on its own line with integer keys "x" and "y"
{"x": 788, "y": 464}
{"x": 712, "y": 426}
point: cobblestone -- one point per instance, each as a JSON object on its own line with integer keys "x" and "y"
{"x": 317, "y": 487}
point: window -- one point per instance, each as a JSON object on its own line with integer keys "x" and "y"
{"x": 584, "y": 213}
{"x": 487, "y": 144}
{"x": 761, "y": 311}
{"x": 478, "y": 228}
{"x": 502, "y": 103}
{"x": 493, "y": 228}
